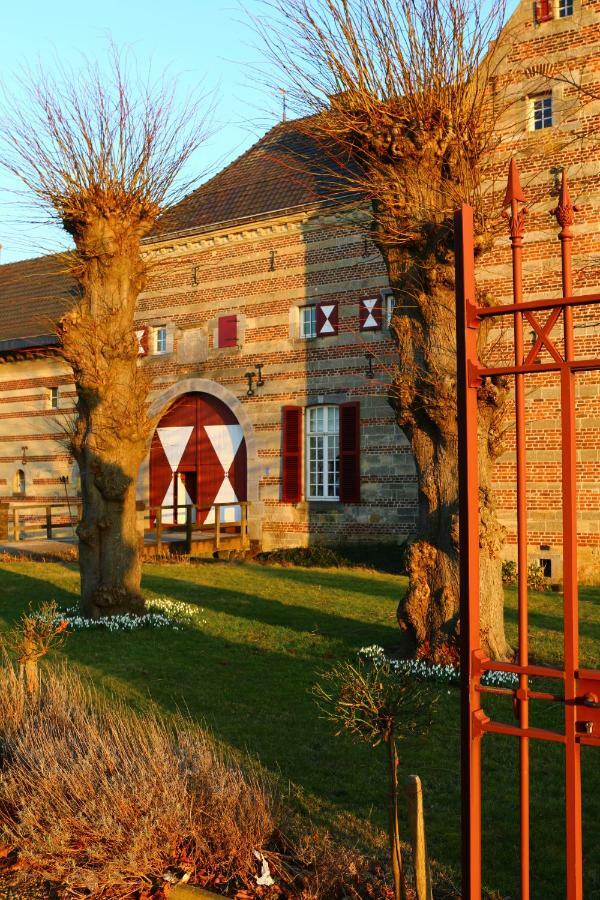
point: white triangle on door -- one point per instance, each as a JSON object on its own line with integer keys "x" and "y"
{"x": 174, "y": 440}
{"x": 167, "y": 504}
{"x": 226, "y": 440}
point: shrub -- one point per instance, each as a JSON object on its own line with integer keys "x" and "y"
{"x": 101, "y": 802}
{"x": 317, "y": 556}
{"x": 536, "y": 580}
{"x": 378, "y": 704}
{"x": 509, "y": 572}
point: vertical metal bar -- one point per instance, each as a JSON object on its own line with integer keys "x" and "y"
{"x": 514, "y": 196}
{"x": 565, "y": 216}
{"x": 217, "y": 526}
{"x": 466, "y": 340}
{"x": 16, "y": 526}
{"x": 49, "y": 523}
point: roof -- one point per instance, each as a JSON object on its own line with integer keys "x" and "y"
{"x": 34, "y": 294}
{"x": 284, "y": 170}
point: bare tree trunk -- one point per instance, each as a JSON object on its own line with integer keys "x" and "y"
{"x": 424, "y": 397}
{"x": 112, "y": 426}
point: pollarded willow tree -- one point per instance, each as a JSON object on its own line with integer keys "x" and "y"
{"x": 400, "y": 95}
{"x": 102, "y": 152}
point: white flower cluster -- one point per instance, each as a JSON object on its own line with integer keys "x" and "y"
{"x": 163, "y": 613}
{"x": 177, "y": 610}
{"x": 426, "y": 671}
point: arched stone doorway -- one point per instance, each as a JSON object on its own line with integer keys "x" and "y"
{"x": 198, "y": 456}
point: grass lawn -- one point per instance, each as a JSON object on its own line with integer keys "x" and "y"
{"x": 247, "y": 671}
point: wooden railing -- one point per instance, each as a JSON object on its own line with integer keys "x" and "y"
{"x": 222, "y": 533}
{"x": 42, "y": 517}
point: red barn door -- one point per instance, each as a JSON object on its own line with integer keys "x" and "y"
{"x": 198, "y": 457}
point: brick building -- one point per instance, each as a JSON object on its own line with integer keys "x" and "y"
{"x": 264, "y": 324}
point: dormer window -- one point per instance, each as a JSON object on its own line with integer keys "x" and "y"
{"x": 541, "y": 113}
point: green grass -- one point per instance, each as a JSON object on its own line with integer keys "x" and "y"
{"x": 247, "y": 673}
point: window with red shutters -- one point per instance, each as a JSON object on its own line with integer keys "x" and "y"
{"x": 350, "y": 452}
{"x": 543, "y": 10}
{"x": 291, "y": 476}
{"x": 227, "y": 331}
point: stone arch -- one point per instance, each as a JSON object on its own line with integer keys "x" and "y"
{"x": 164, "y": 399}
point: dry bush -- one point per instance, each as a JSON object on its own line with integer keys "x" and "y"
{"x": 102, "y": 802}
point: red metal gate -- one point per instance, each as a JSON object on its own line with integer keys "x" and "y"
{"x": 577, "y": 689}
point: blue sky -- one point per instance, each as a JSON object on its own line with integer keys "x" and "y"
{"x": 203, "y": 42}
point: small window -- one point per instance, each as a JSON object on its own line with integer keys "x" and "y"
{"x": 308, "y": 321}
{"x": 160, "y": 339}
{"x": 19, "y": 482}
{"x": 323, "y": 453}
{"x": 546, "y": 566}
{"x": 541, "y": 112}
{"x": 388, "y": 309}
{"x": 53, "y": 397}
{"x": 565, "y": 8}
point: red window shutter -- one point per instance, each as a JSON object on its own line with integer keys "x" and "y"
{"x": 142, "y": 337}
{"x": 291, "y": 477}
{"x": 543, "y": 10}
{"x": 327, "y": 319}
{"x": 370, "y": 315}
{"x": 350, "y": 452}
{"x": 227, "y": 331}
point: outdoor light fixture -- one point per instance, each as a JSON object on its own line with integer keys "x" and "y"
{"x": 250, "y": 376}
{"x": 24, "y": 457}
{"x": 369, "y": 358}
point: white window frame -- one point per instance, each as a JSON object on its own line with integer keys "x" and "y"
{"x": 541, "y": 99}
{"x": 161, "y": 339}
{"x": 53, "y": 397}
{"x": 322, "y": 453}
{"x": 388, "y": 308}
{"x": 302, "y": 313}
{"x": 565, "y": 8}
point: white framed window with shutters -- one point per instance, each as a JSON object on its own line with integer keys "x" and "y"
{"x": 308, "y": 321}
{"x": 322, "y": 453}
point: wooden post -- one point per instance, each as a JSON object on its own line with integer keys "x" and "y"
{"x": 244, "y": 524}
{"x": 16, "y": 526}
{"x": 217, "y": 526}
{"x": 49, "y": 523}
{"x": 414, "y": 799}
{"x": 188, "y": 528}
{"x": 4, "y": 512}
{"x": 158, "y": 525}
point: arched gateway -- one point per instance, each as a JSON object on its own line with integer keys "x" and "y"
{"x": 198, "y": 456}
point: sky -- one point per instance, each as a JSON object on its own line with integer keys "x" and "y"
{"x": 204, "y": 43}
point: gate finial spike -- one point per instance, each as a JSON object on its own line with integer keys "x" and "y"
{"x": 514, "y": 191}
{"x": 565, "y": 210}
